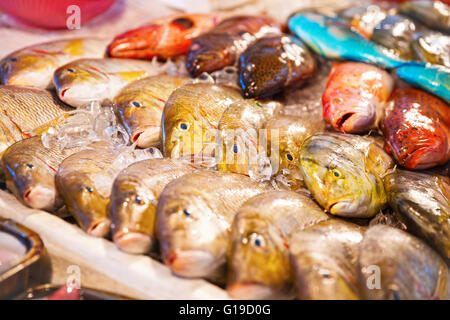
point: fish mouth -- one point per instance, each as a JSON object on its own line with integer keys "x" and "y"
{"x": 39, "y": 197}
{"x": 353, "y": 122}
{"x": 424, "y": 157}
{"x": 191, "y": 263}
{"x": 138, "y": 43}
{"x": 250, "y": 291}
{"x": 63, "y": 92}
{"x": 146, "y": 137}
{"x": 133, "y": 242}
{"x": 99, "y": 229}
{"x": 339, "y": 207}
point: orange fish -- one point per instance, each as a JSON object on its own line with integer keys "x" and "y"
{"x": 163, "y": 38}
{"x": 355, "y": 96}
{"x": 417, "y": 129}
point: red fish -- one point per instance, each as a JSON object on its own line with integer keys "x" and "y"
{"x": 355, "y": 96}
{"x": 417, "y": 129}
{"x": 164, "y": 38}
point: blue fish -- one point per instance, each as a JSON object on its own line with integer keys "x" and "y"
{"x": 333, "y": 39}
{"x": 433, "y": 79}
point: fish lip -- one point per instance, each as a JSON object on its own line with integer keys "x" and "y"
{"x": 100, "y": 229}
{"x": 192, "y": 263}
{"x": 414, "y": 159}
{"x": 146, "y": 137}
{"x": 39, "y": 197}
{"x": 63, "y": 92}
{"x": 338, "y": 203}
{"x": 133, "y": 242}
{"x": 250, "y": 291}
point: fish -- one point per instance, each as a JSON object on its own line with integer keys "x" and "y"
{"x": 423, "y": 201}
{"x": 33, "y": 66}
{"x": 85, "y": 80}
{"x": 273, "y": 63}
{"x": 355, "y": 96}
{"x": 194, "y": 217}
{"x": 166, "y": 37}
{"x": 324, "y": 260}
{"x": 417, "y": 129}
{"x": 364, "y": 19}
{"x": 331, "y": 38}
{"x": 29, "y": 170}
{"x": 259, "y": 266}
{"x": 344, "y": 173}
{"x": 139, "y": 107}
{"x": 433, "y": 79}
{"x": 432, "y": 47}
{"x": 222, "y": 45}
{"x": 394, "y": 265}
{"x": 191, "y": 116}
{"x": 434, "y": 14}
{"x": 16, "y": 105}
{"x": 395, "y": 32}
{"x": 66, "y": 292}
{"x": 134, "y": 198}
{"x": 285, "y": 135}
{"x": 84, "y": 181}
{"x": 239, "y": 134}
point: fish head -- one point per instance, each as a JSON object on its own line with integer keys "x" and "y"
{"x": 141, "y": 116}
{"x": 337, "y": 178}
{"x": 86, "y": 202}
{"x": 259, "y": 264}
{"x": 209, "y": 52}
{"x": 75, "y": 83}
{"x": 133, "y": 212}
{"x": 193, "y": 238}
{"x": 31, "y": 180}
{"x": 27, "y": 70}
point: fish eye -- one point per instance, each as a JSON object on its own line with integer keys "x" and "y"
{"x": 136, "y": 104}
{"x": 13, "y": 59}
{"x": 138, "y": 200}
{"x": 393, "y": 294}
{"x": 235, "y": 148}
{"x": 70, "y": 70}
{"x": 29, "y": 165}
{"x": 186, "y": 213}
{"x": 183, "y": 23}
{"x": 88, "y": 189}
{"x": 256, "y": 240}
{"x": 336, "y": 173}
{"x": 184, "y": 126}
{"x": 289, "y": 157}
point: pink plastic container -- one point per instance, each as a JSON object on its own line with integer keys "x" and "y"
{"x": 52, "y": 14}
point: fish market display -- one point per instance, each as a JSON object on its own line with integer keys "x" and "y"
{"x": 259, "y": 265}
{"x": 240, "y": 137}
{"x": 434, "y": 14}
{"x": 286, "y": 134}
{"x": 397, "y": 266}
{"x": 163, "y": 38}
{"x": 395, "y": 32}
{"x": 274, "y": 63}
{"x": 355, "y": 96}
{"x": 85, "y": 80}
{"x": 432, "y": 47}
{"x": 344, "y": 173}
{"x": 33, "y": 66}
{"x": 140, "y": 104}
{"x": 325, "y": 260}
{"x": 16, "y": 106}
{"x": 194, "y": 217}
{"x": 222, "y": 45}
{"x": 30, "y": 168}
{"x": 134, "y": 198}
{"x": 417, "y": 129}
{"x": 190, "y": 119}
{"x": 423, "y": 201}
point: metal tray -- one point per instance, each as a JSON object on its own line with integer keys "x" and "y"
{"x": 43, "y": 291}
{"x": 17, "y": 278}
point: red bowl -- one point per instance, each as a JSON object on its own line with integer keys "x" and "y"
{"x": 52, "y": 14}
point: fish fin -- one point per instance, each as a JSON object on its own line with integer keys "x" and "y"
{"x": 74, "y": 48}
{"x": 132, "y": 75}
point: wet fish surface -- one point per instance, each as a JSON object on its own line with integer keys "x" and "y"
{"x": 324, "y": 258}
{"x": 140, "y": 104}
{"x": 134, "y": 198}
{"x": 33, "y": 66}
{"x": 259, "y": 266}
{"x": 344, "y": 173}
{"x": 194, "y": 217}
{"x": 423, "y": 200}
{"x": 405, "y": 267}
